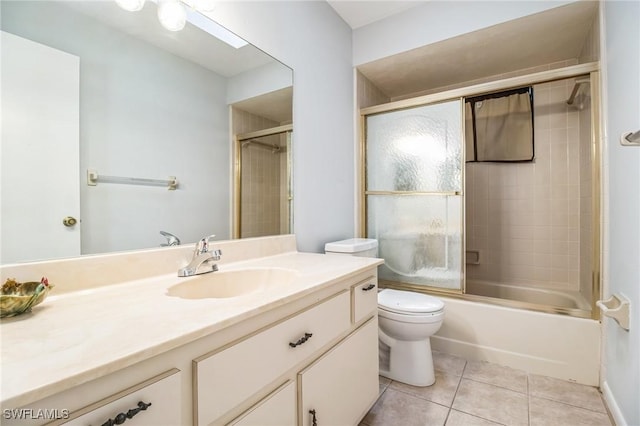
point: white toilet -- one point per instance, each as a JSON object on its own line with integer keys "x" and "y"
{"x": 406, "y": 321}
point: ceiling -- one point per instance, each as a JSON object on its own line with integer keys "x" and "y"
{"x": 551, "y": 36}
{"x": 364, "y": 12}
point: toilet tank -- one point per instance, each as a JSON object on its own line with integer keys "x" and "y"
{"x": 363, "y": 247}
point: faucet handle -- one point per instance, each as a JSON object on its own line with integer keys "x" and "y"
{"x": 202, "y": 246}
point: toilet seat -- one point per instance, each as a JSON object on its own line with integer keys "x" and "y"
{"x": 409, "y": 303}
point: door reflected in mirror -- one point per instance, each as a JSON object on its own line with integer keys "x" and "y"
{"x": 95, "y": 87}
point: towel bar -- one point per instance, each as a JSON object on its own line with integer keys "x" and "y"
{"x": 630, "y": 138}
{"x": 616, "y": 307}
{"x": 93, "y": 178}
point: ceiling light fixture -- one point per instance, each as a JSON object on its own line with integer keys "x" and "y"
{"x": 172, "y": 14}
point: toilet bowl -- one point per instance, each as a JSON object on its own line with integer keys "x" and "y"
{"x": 406, "y": 322}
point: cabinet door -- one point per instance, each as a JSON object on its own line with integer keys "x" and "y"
{"x": 277, "y": 409}
{"x": 162, "y": 392}
{"x": 342, "y": 385}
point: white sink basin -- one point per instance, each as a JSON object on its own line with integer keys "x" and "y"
{"x": 234, "y": 283}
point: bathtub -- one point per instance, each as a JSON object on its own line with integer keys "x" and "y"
{"x": 561, "y": 346}
{"x": 538, "y": 296}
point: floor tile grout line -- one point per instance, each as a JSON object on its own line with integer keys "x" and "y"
{"x": 569, "y": 404}
{"x": 419, "y": 397}
{"x": 493, "y": 384}
{"x": 454, "y": 393}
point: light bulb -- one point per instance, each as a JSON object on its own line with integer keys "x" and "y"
{"x": 131, "y": 5}
{"x": 172, "y": 14}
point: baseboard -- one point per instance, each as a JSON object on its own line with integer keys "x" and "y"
{"x": 612, "y": 405}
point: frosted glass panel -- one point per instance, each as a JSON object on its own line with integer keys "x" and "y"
{"x": 419, "y": 237}
{"x": 417, "y": 149}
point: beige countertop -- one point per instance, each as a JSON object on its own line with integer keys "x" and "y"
{"x": 79, "y": 336}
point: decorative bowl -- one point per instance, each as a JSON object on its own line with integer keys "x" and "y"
{"x": 17, "y": 298}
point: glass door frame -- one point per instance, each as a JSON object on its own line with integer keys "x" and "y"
{"x": 365, "y": 193}
{"x": 591, "y": 69}
{"x": 237, "y": 172}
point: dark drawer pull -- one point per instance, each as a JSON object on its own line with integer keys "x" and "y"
{"x": 369, "y": 287}
{"x": 314, "y": 419}
{"x": 122, "y": 417}
{"x": 301, "y": 340}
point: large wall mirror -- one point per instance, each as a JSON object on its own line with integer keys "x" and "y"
{"x": 103, "y": 108}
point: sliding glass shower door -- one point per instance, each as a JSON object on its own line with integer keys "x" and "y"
{"x": 413, "y": 193}
{"x": 263, "y": 183}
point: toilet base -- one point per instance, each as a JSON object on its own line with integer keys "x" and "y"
{"x": 410, "y": 363}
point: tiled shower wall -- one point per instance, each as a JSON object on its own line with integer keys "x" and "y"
{"x": 532, "y": 222}
{"x": 263, "y": 179}
{"x": 524, "y": 218}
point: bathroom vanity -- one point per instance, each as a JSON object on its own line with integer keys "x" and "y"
{"x": 300, "y": 346}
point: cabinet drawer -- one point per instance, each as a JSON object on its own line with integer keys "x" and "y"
{"x": 364, "y": 296}
{"x": 226, "y": 378}
{"x": 162, "y": 392}
{"x": 277, "y": 409}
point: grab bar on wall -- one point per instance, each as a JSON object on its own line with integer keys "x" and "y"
{"x": 576, "y": 87}
{"x": 93, "y": 178}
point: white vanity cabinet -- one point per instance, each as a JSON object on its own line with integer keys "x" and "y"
{"x": 324, "y": 357}
{"x": 253, "y": 361}
{"x": 155, "y": 402}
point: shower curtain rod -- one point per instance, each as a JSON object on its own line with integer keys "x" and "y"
{"x": 576, "y": 87}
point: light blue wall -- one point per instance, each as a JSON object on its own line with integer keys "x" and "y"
{"x": 309, "y": 37}
{"x": 621, "y": 74}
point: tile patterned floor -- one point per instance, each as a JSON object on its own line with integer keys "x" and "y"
{"x": 470, "y": 393}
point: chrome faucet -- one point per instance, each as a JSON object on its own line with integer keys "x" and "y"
{"x": 203, "y": 259}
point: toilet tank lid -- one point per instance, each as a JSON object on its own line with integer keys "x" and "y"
{"x": 408, "y": 301}
{"x": 352, "y": 245}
